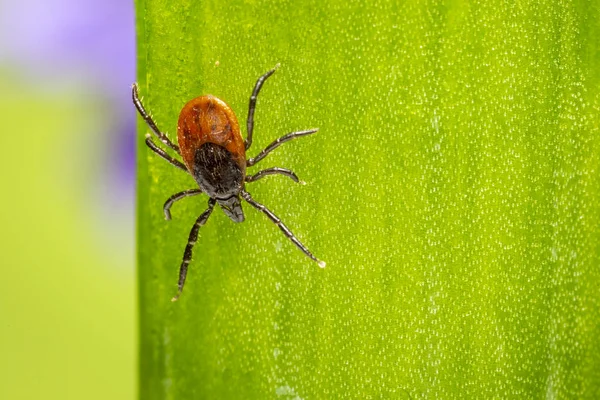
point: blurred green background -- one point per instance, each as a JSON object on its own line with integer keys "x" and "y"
{"x": 67, "y": 326}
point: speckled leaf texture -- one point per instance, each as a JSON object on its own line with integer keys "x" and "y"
{"x": 453, "y": 189}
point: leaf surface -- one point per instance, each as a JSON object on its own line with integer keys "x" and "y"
{"x": 453, "y": 189}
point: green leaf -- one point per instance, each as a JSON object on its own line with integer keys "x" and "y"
{"x": 453, "y": 189}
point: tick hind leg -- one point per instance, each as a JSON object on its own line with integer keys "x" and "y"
{"x": 277, "y": 143}
{"x": 161, "y": 153}
{"x": 175, "y": 197}
{"x": 273, "y": 171}
{"x": 286, "y": 231}
{"x": 140, "y": 107}
{"x": 187, "y": 254}
{"x": 252, "y": 105}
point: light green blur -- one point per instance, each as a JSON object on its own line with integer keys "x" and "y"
{"x": 66, "y": 292}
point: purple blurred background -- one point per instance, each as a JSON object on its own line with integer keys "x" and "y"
{"x": 67, "y": 292}
{"x": 89, "y": 45}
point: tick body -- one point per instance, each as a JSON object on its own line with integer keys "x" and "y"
{"x": 213, "y": 151}
{"x": 214, "y": 154}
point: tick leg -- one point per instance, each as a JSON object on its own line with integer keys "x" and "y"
{"x": 286, "y": 231}
{"x": 164, "y": 155}
{"x": 272, "y": 171}
{"x": 140, "y": 107}
{"x": 252, "y": 106}
{"x": 277, "y": 143}
{"x": 175, "y": 197}
{"x": 187, "y": 255}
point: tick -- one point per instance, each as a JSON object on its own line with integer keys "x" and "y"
{"x": 214, "y": 154}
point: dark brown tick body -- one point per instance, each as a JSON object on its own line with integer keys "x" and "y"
{"x": 214, "y": 154}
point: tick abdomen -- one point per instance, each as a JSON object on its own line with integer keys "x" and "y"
{"x": 216, "y": 172}
{"x": 207, "y": 119}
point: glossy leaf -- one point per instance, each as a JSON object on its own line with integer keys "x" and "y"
{"x": 453, "y": 189}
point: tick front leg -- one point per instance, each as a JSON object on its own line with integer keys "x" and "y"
{"x": 277, "y": 143}
{"x": 286, "y": 231}
{"x": 273, "y": 171}
{"x": 187, "y": 255}
{"x": 140, "y": 107}
{"x": 252, "y": 105}
{"x": 178, "y": 196}
{"x": 163, "y": 154}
